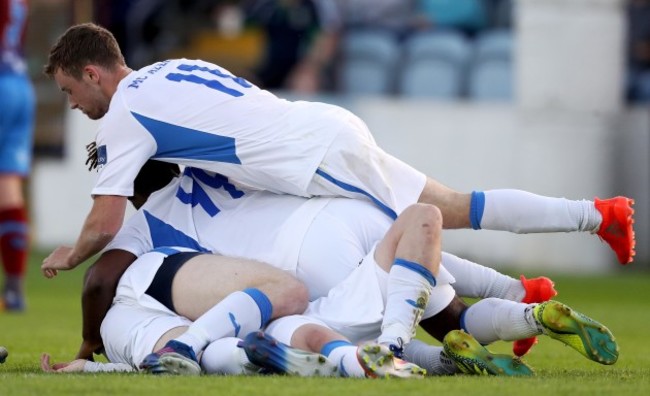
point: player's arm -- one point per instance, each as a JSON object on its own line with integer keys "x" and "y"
{"x": 101, "y": 225}
{"x": 99, "y": 287}
{"x": 82, "y": 365}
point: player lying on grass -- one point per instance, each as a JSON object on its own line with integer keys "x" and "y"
{"x": 163, "y": 291}
{"x": 320, "y": 240}
{"x": 222, "y": 123}
{"x": 504, "y": 285}
{"x": 146, "y": 314}
{"x": 163, "y": 234}
{"x": 157, "y": 288}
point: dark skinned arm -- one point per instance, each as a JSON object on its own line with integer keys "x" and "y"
{"x": 99, "y": 287}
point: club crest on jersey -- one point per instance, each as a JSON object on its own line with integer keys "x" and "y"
{"x": 102, "y": 157}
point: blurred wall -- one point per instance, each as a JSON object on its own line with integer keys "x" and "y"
{"x": 570, "y": 54}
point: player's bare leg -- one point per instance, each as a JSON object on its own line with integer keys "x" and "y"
{"x": 410, "y": 253}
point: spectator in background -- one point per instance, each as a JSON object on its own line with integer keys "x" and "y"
{"x": 16, "y": 129}
{"x": 300, "y": 43}
{"x": 639, "y": 50}
{"x": 149, "y": 29}
{"x": 303, "y": 36}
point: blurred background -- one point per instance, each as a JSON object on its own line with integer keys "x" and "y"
{"x": 548, "y": 96}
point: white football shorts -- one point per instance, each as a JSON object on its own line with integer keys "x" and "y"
{"x": 136, "y": 321}
{"x": 355, "y": 166}
{"x": 355, "y": 307}
{"x": 336, "y": 242}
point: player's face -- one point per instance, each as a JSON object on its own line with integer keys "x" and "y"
{"x": 84, "y": 94}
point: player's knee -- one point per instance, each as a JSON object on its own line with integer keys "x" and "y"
{"x": 428, "y": 217}
{"x": 318, "y": 336}
{"x": 292, "y": 299}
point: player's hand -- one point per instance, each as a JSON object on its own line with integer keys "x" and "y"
{"x": 59, "y": 259}
{"x": 74, "y": 366}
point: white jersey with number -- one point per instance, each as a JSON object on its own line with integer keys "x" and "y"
{"x": 205, "y": 212}
{"x": 198, "y": 114}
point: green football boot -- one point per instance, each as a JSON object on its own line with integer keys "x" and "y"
{"x": 590, "y": 338}
{"x": 473, "y": 358}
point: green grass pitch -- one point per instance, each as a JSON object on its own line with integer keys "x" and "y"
{"x": 53, "y": 319}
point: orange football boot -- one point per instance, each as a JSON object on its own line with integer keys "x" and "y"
{"x": 616, "y": 229}
{"x": 537, "y": 290}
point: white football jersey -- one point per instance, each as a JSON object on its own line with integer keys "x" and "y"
{"x": 198, "y": 114}
{"x": 205, "y": 212}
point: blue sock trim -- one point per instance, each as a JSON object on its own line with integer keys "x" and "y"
{"x": 348, "y": 187}
{"x": 425, "y": 273}
{"x": 263, "y": 303}
{"x": 462, "y": 321}
{"x": 332, "y": 345}
{"x": 476, "y": 207}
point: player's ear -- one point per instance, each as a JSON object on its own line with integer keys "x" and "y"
{"x": 91, "y": 73}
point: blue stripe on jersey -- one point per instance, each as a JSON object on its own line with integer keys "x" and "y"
{"x": 476, "y": 207}
{"x": 175, "y": 141}
{"x": 348, "y": 187}
{"x": 166, "y": 250}
{"x": 163, "y": 234}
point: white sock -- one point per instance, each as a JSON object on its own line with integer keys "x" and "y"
{"x": 494, "y": 319}
{"x": 223, "y": 356}
{"x": 238, "y": 314}
{"x": 409, "y": 287}
{"x": 476, "y": 281}
{"x": 523, "y": 212}
{"x": 429, "y": 357}
{"x": 345, "y": 355}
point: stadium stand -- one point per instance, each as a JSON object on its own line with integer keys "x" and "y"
{"x": 435, "y": 64}
{"x": 369, "y": 59}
